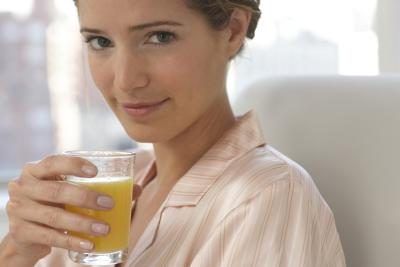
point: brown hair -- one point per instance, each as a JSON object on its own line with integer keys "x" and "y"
{"x": 218, "y": 12}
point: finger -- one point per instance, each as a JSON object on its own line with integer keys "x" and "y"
{"x": 61, "y": 192}
{"x": 16, "y": 194}
{"x": 29, "y": 233}
{"x": 56, "y": 165}
{"x": 56, "y": 218}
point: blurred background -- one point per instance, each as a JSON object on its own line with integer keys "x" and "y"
{"x": 49, "y": 104}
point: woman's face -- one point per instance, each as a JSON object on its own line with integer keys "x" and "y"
{"x": 158, "y": 64}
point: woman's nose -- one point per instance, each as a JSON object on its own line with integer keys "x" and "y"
{"x": 129, "y": 71}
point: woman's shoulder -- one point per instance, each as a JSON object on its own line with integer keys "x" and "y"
{"x": 267, "y": 164}
{"x": 268, "y": 197}
{"x": 265, "y": 167}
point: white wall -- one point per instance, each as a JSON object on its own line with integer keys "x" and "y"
{"x": 387, "y": 22}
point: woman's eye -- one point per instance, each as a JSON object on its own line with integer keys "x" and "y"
{"x": 98, "y": 43}
{"x": 161, "y": 38}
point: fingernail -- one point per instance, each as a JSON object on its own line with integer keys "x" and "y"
{"x": 105, "y": 202}
{"x": 86, "y": 245}
{"x": 89, "y": 170}
{"x": 100, "y": 228}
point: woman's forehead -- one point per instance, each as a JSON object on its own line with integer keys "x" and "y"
{"x": 136, "y": 10}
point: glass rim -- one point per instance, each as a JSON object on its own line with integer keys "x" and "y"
{"x": 99, "y": 153}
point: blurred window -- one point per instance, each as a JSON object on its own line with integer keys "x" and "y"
{"x": 301, "y": 37}
{"x": 48, "y": 102}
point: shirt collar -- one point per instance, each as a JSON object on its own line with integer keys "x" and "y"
{"x": 244, "y": 136}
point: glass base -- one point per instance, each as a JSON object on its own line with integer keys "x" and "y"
{"x": 108, "y": 258}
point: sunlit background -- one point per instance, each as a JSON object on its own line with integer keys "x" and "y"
{"x": 49, "y": 103}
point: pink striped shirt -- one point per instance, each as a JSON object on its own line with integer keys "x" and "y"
{"x": 242, "y": 204}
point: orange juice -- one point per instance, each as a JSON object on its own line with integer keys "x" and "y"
{"x": 119, "y": 218}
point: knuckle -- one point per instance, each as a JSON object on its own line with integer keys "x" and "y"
{"x": 49, "y": 238}
{"x": 22, "y": 181}
{"x": 56, "y": 190}
{"x": 48, "y": 162}
{"x": 12, "y": 188}
{"x": 27, "y": 167}
{"x": 12, "y": 206}
{"x": 53, "y": 218}
{"x": 37, "y": 189}
{"x": 69, "y": 242}
{"x": 26, "y": 171}
{"x": 84, "y": 197}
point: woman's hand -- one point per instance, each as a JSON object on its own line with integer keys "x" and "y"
{"x": 36, "y": 212}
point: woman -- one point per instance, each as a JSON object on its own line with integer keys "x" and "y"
{"x": 215, "y": 193}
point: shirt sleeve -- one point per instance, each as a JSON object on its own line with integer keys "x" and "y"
{"x": 287, "y": 224}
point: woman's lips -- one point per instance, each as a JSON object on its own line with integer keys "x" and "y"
{"x": 141, "y": 109}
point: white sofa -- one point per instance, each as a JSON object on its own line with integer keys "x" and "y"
{"x": 345, "y": 131}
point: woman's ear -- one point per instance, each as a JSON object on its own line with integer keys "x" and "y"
{"x": 237, "y": 30}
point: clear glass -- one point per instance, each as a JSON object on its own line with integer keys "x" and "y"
{"x": 114, "y": 178}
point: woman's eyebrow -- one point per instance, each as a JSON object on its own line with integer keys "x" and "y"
{"x": 138, "y": 27}
{"x": 154, "y": 24}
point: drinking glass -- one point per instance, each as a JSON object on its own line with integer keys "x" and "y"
{"x": 115, "y": 179}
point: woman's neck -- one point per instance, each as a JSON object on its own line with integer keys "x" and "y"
{"x": 175, "y": 157}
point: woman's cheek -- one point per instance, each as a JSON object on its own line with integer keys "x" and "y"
{"x": 101, "y": 72}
